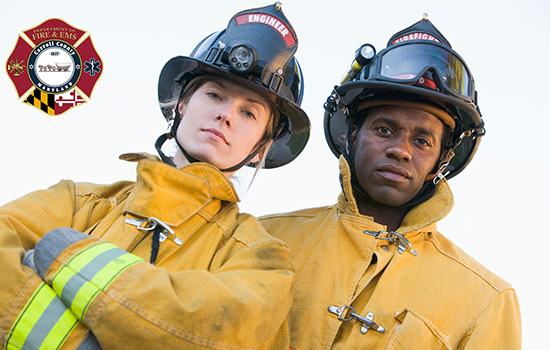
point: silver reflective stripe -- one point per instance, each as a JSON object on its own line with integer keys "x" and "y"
{"x": 45, "y": 323}
{"x": 87, "y": 273}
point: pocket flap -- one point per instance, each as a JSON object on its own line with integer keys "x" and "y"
{"x": 415, "y": 332}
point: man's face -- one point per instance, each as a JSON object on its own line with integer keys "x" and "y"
{"x": 395, "y": 149}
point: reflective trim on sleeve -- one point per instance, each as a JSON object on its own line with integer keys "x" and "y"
{"x": 89, "y": 272}
{"x": 44, "y": 323}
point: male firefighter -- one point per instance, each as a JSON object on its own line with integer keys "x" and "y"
{"x": 372, "y": 270}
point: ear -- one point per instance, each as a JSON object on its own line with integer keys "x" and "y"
{"x": 181, "y": 107}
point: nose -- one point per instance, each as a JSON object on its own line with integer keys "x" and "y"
{"x": 400, "y": 149}
{"x": 225, "y": 113}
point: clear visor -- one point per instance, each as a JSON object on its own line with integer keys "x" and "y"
{"x": 411, "y": 61}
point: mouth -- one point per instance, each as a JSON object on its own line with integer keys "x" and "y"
{"x": 394, "y": 173}
{"x": 217, "y": 135}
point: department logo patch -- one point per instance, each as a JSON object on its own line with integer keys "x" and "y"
{"x": 54, "y": 67}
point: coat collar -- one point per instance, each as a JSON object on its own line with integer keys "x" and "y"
{"x": 424, "y": 215}
{"x": 173, "y": 195}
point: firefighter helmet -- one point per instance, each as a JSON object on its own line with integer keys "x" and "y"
{"x": 418, "y": 65}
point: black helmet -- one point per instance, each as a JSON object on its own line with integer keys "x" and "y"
{"x": 418, "y": 65}
{"x": 256, "y": 50}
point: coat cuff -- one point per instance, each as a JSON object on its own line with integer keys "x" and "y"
{"x": 52, "y": 244}
{"x": 77, "y": 270}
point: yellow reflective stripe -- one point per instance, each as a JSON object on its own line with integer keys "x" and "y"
{"x": 82, "y": 259}
{"x": 30, "y": 314}
{"x": 86, "y": 294}
{"x": 101, "y": 281}
{"x": 61, "y": 278}
{"x": 89, "y": 272}
{"x": 44, "y": 322}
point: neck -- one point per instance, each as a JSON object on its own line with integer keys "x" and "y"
{"x": 180, "y": 160}
{"x": 382, "y": 214}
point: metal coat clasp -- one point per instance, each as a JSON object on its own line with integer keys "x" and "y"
{"x": 367, "y": 321}
{"x": 151, "y": 224}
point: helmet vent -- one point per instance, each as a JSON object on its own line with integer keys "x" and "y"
{"x": 275, "y": 82}
{"x": 212, "y": 54}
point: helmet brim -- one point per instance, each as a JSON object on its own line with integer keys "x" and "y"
{"x": 286, "y": 147}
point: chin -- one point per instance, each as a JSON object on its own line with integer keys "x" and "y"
{"x": 391, "y": 198}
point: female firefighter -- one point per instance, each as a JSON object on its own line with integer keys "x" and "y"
{"x": 168, "y": 261}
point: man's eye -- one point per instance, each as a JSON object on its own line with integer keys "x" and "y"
{"x": 383, "y": 130}
{"x": 423, "y": 142}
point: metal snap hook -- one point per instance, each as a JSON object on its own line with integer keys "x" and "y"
{"x": 367, "y": 321}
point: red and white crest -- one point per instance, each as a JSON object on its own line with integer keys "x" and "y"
{"x": 54, "y": 66}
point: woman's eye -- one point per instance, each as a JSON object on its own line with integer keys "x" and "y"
{"x": 213, "y": 95}
{"x": 249, "y": 114}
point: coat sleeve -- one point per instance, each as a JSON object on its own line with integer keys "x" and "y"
{"x": 129, "y": 303}
{"x": 31, "y": 314}
{"x": 498, "y": 326}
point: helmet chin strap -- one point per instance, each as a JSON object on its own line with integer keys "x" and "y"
{"x": 172, "y": 134}
{"x": 443, "y": 163}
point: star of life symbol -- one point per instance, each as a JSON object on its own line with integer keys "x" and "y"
{"x": 54, "y": 67}
{"x": 92, "y": 67}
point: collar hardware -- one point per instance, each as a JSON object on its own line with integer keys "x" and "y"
{"x": 394, "y": 237}
{"x": 151, "y": 223}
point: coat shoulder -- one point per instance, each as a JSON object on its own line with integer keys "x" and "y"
{"x": 119, "y": 188}
{"x": 302, "y": 213}
{"x": 453, "y": 252}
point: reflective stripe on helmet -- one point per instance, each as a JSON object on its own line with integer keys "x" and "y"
{"x": 44, "y": 323}
{"x": 90, "y": 272}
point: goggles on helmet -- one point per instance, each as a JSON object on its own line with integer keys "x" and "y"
{"x": 411, "y": 61}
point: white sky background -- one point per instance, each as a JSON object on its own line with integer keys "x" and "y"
{"x": 501, "y": 209}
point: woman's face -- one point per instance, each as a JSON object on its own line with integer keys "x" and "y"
{"x": 221, "y": 124}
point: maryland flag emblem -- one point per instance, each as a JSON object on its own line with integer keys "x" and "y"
{"x": 54, "y": 67}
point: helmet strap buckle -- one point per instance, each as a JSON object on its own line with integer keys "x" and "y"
{"x": 333, "y": 101}
{"x": 440, "y": 175}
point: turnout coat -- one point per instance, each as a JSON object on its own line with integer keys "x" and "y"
{"x": 360, "y": 287}
{"x": 220, "y": 282}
